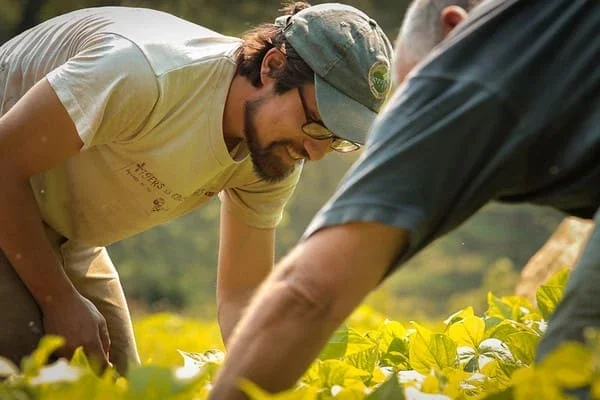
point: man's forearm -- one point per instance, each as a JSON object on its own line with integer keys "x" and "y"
{"x": 310, "y": 293}
{"x": 24, "y": 243}
{"x": 288, "y": 316}
{"x": 229, "y": 314}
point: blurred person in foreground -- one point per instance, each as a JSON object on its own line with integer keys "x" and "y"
{"x": 506, "y": 108}
{"x": 114, "y": 120}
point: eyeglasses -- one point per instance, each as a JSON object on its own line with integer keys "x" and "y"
{"x": 317, "y": 130}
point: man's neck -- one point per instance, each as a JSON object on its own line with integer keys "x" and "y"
{"x": 233, "y": 116}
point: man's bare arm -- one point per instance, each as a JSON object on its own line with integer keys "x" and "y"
{"x": 305, "y": 299}
{"x": 246, "y": 256}
{"x": 35, "y": 135}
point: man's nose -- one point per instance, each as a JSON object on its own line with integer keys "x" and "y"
{"x": 317, "y": 149}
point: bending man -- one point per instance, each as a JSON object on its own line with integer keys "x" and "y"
{"x": 109, "y": 128}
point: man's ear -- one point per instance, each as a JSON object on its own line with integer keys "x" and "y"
{"x": 450, "y": 17}
{"x": 272, "y": 62}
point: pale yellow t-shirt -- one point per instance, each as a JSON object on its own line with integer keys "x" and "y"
{"x": 146, "y": 91}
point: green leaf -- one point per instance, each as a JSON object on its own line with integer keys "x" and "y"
{"x": 254, "y": 392}
{"x": 520, "y": 339}
{"x": 498, "y": 308}
{"x": 460, "y": 315}
{"x": 509, "y": 307}
{"x": 422, "y": 331}
{"x": 361, "y": 352}
{"x": 392, "y": 340}
{"x": 506, "y": 394}
{"x": 491, "y": 323}
{"x": 528, "y": 383}
{"x": 155, "y": 383}
{"x": 387, "y": 334}
{"x": 358, "y": 343}
{"x": 457, "y": 384}
{"x": 523, "y": 346}
{"x": 80, "y": 360}
{"x": 569, "y": 365}
{"x": 196, "y": 364}
{"x": 87, "y": 387}
{"x": 337, "y": 345}
{"x": 32, "y": 364}
{"x": 498, "y": 374}
{"x": 592, "y": 342}
{"x": 467, "y": 332}
{"x": 496, "y": 349}
{"x": 431, "y": 350}
{"x": 551, "y": 293}
{"x": 329, "y": 373}
{"x": 201, "y": 359}
{"x": 389, "y": 389}
{"x": 432, "y": 383}
{"x": 14, "y": 394}
{"x": 595, "y": 388}
{"x": 468, "y": 358}
{"x": 414, "y": 393}
{"x": 365, "y": 360}
{"x": 354, "y": 349}
{"x": 353, "y": 391}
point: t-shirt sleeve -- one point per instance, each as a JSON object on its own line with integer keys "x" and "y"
{"x": 260, "y": 204}
{"x": 108, "y": 89}
{"x": 430, "y": 162}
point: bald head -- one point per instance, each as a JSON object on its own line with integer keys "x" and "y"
{"x": 426, "y": 23}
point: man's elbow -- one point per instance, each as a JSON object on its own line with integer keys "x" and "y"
{"x": 309, "y": 296}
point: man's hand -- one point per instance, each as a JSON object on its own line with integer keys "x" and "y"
{"x": 77, "y": 320}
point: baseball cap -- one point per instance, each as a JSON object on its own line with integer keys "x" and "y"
{"x": 351, "y": 56}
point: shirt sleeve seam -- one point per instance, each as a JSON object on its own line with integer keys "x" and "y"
{"x": 342, "y": 213}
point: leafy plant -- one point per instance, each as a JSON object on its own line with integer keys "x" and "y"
{"x": 470, "y": 357}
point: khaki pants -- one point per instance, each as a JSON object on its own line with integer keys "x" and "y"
{"x": 95, "y": 277}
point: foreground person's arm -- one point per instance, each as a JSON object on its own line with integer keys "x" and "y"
{"x": 35, "y": 135}
{"x": 305, "y": 299}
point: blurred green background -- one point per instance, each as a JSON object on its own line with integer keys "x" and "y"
{"x": 173, "y": 267}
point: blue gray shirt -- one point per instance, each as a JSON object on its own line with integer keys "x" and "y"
{"x": 508, "y": 108}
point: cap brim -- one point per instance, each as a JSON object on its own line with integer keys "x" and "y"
{"x": 344, "y": 116}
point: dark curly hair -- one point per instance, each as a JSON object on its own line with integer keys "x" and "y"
{"x": 258, "y": 41}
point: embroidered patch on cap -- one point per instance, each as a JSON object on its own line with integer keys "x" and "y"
{"x": 379, "y": 80}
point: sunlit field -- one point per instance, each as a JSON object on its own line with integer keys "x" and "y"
{"x": 466, "y": 356}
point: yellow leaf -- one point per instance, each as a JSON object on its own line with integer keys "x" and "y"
{"x": 569, "y": 365}
{"x": 457, "y": 316}
{"x": 467, "y": 332}
{"x": 436, "y": 351}
{"x": 254, "y": 392}
{"x": 431, "y": 385}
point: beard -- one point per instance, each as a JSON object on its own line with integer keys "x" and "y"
{"x": 267, "y": 164}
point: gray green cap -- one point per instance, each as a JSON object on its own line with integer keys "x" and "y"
{"x": 351, "y": 56}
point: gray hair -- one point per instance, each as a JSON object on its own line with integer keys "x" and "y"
{"x": 421, "y": 30}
